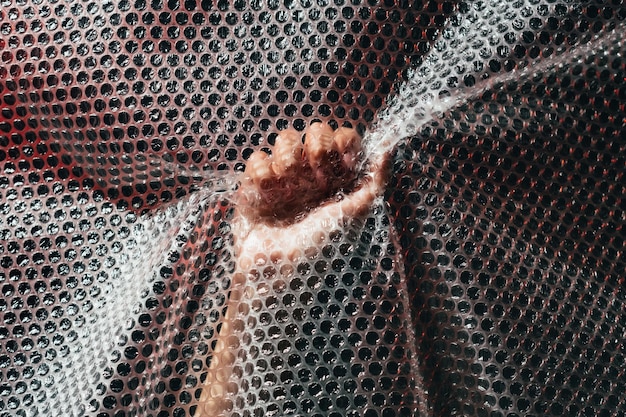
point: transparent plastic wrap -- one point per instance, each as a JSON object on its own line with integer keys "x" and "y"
{"x": 483, "y": 274}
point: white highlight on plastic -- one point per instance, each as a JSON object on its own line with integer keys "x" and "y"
{"x": 470, "y": 41}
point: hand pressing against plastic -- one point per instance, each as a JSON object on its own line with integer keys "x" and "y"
{"x": 286, "y": 205}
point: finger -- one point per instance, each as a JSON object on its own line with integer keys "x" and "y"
{"x": 347, "y": 140}
{"x": 287, "y": 151}
{"x": 359, "y": 201}
{"x": 258, "y": 168}
{"x": 348, "y": 143}
{"x": 373, "y": 185}
{"x": 318, "y": 142}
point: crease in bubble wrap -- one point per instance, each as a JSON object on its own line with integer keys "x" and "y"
{"x": 101, "y": 325}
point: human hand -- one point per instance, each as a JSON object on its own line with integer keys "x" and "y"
{"x": 286, "y": 206}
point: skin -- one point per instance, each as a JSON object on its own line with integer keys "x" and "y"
{"x": 286, "y": 204}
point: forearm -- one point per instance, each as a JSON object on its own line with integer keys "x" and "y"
{"x": 218, "y": 385}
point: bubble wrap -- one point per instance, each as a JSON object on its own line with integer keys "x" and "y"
{"x": 487, "y": 280}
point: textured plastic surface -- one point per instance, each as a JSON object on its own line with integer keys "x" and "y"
{"x": 490, "y": 282}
